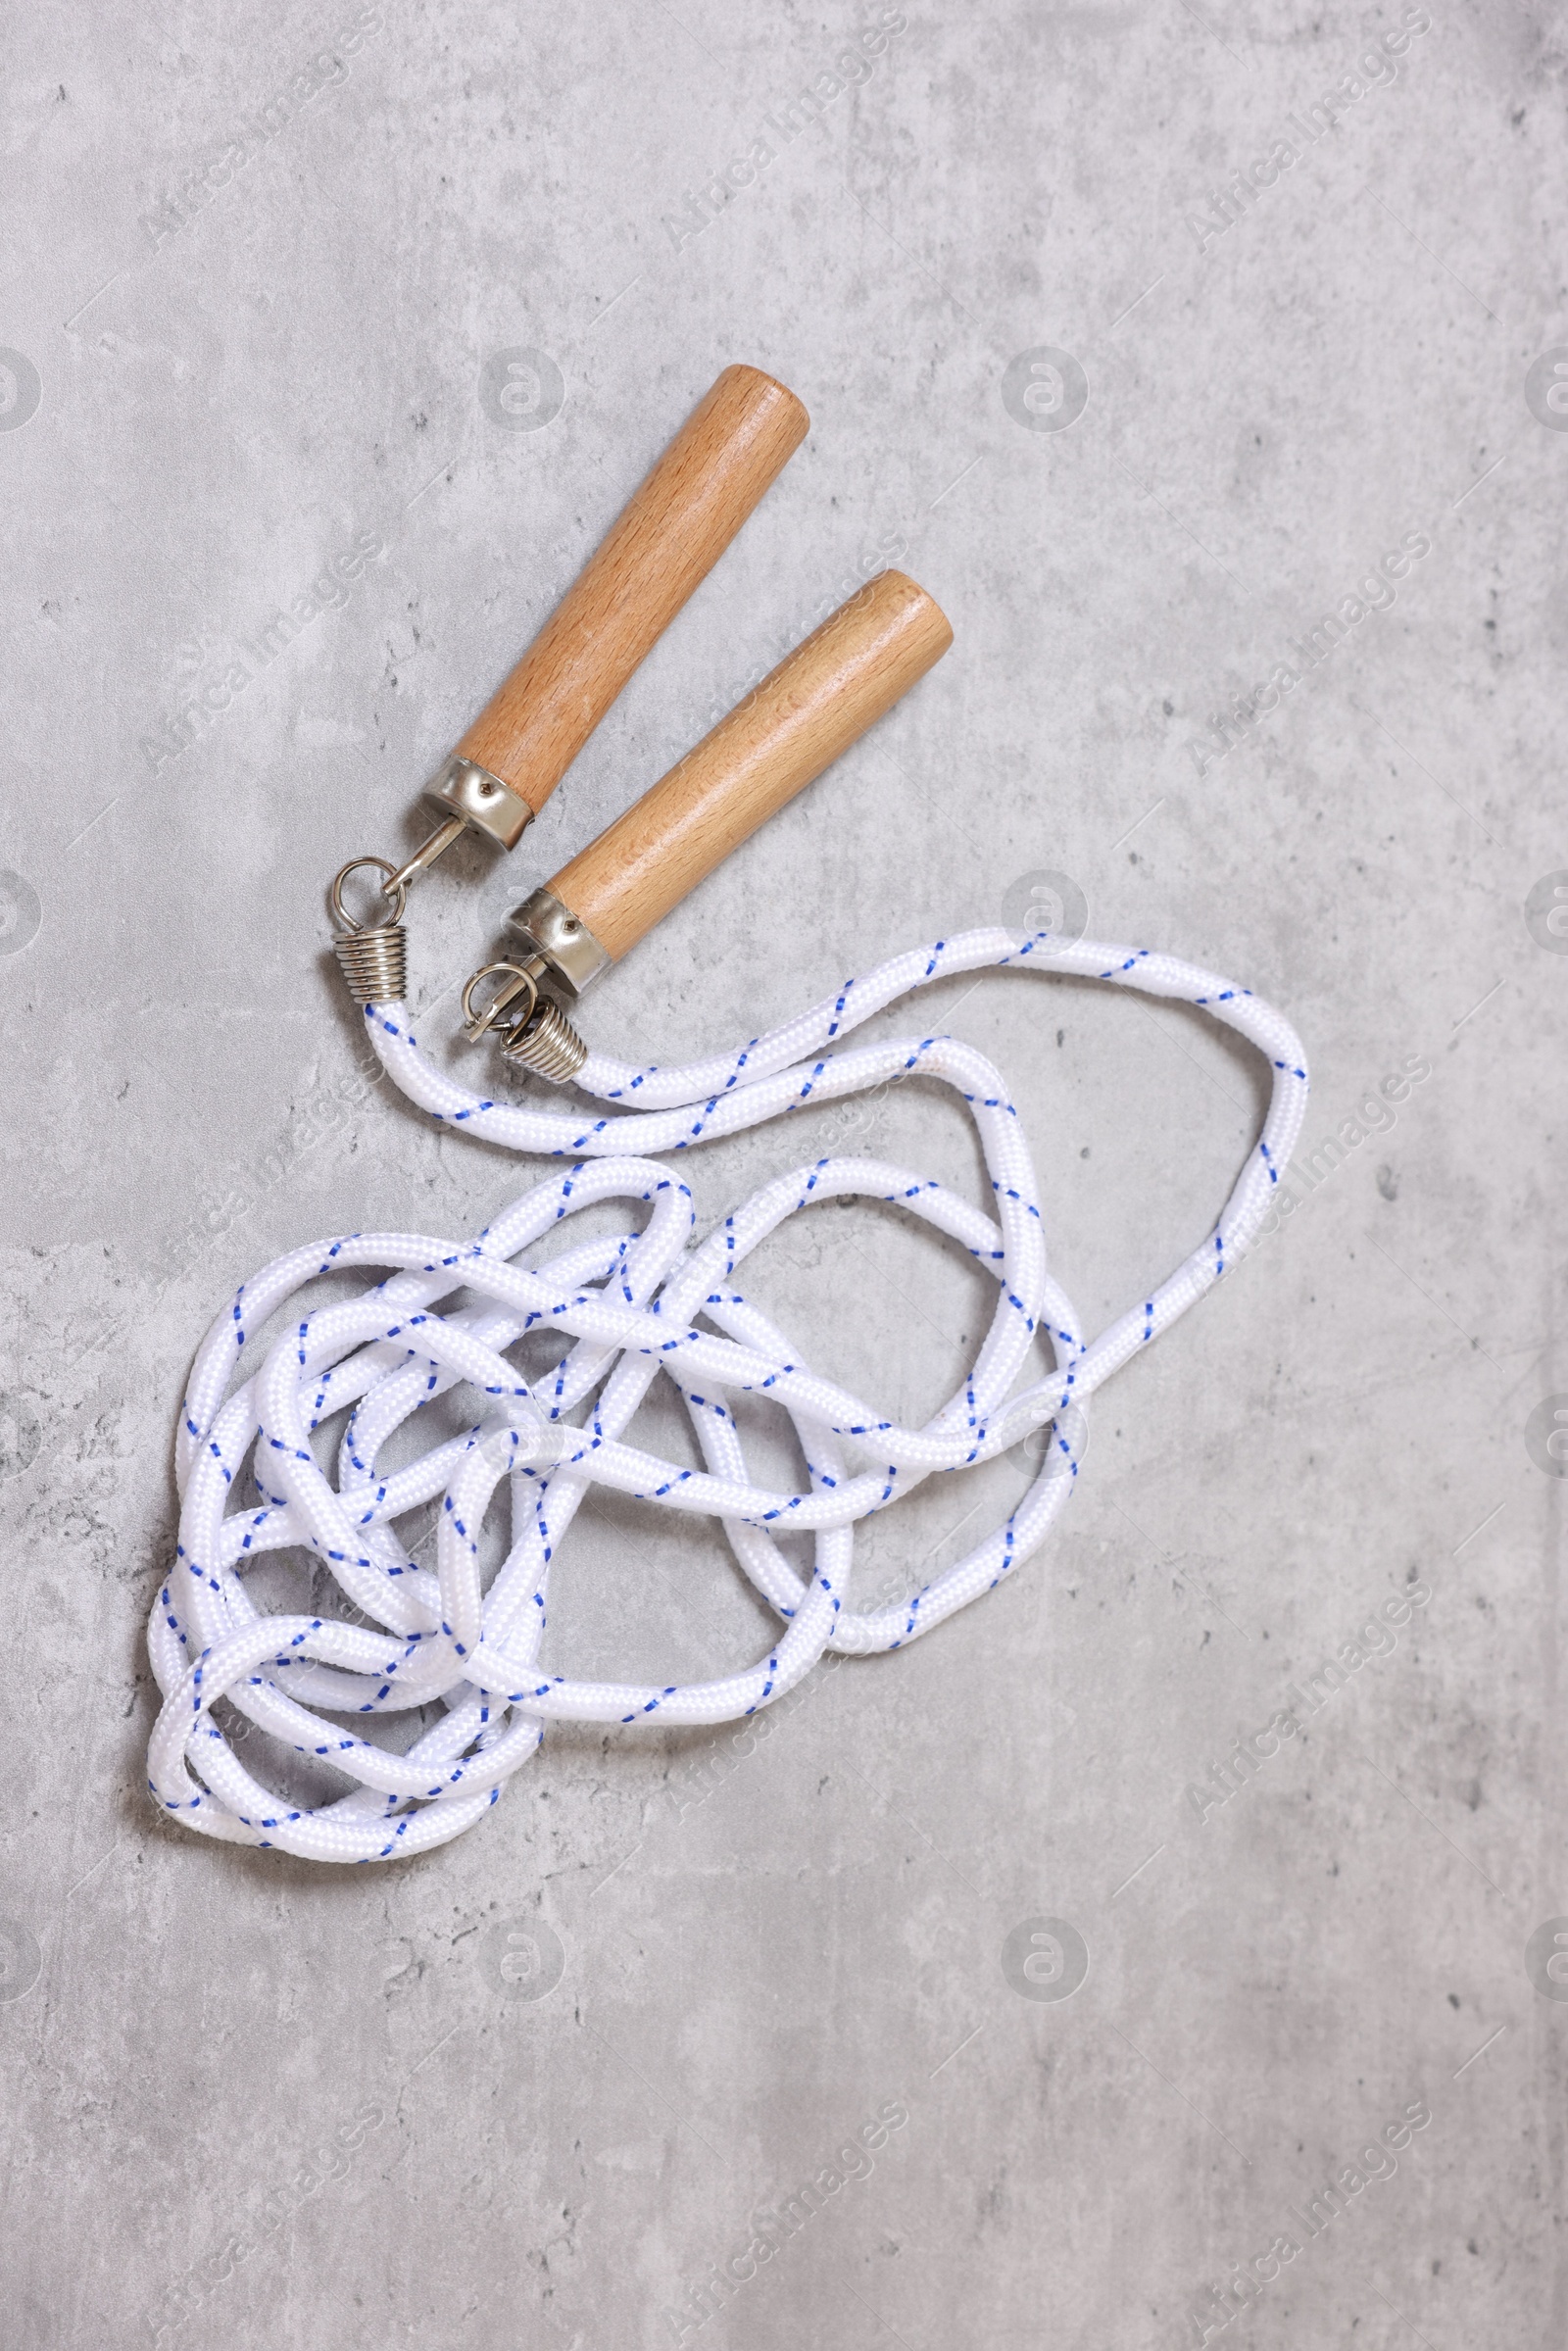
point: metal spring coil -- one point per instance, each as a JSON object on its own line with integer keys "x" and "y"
{"x": 375, "y": 963}
{"x": 547, "y": 1045}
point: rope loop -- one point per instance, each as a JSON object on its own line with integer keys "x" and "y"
{"x": 651, "y": 1302}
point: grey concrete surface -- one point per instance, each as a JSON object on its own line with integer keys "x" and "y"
{"x": 264, "y": 273}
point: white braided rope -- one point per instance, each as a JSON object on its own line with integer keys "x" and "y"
{"x": 647, "y": 1303}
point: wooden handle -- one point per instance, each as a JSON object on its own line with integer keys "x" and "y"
{"x": 823, "y": 695}
{"x": 734, "y": 443}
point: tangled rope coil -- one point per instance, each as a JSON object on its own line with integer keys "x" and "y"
{"x": 629, "y": 1309}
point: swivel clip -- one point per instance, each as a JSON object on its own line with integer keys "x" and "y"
{"x": 534, "y": 1036}
{"x": 373, "y": 956}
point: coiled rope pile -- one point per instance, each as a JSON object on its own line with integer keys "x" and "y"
{"x": 648, "y": 1303}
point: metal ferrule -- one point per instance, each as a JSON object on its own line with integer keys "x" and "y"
{"x": 480, "y": 799}
{"x": 567, "y": 945}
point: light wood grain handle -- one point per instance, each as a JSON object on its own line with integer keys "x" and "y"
{"x": 823, "y": 695}
{"x": 735, "y": 442}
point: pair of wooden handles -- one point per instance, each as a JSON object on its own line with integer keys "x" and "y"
{"x": 806, "y": 712}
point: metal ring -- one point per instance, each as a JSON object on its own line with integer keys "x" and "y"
{"x": 477, "y": 1023}
{"x": 344, "y": 920}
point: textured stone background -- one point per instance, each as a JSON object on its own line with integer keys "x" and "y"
{"x": 201, "y": 406}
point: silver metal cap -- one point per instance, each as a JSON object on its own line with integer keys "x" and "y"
{"x": 566, "y": 944}
{"x": 481, "y": 799}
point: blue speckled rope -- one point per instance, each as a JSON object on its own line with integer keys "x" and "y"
{"x": 630, "y": 1308}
